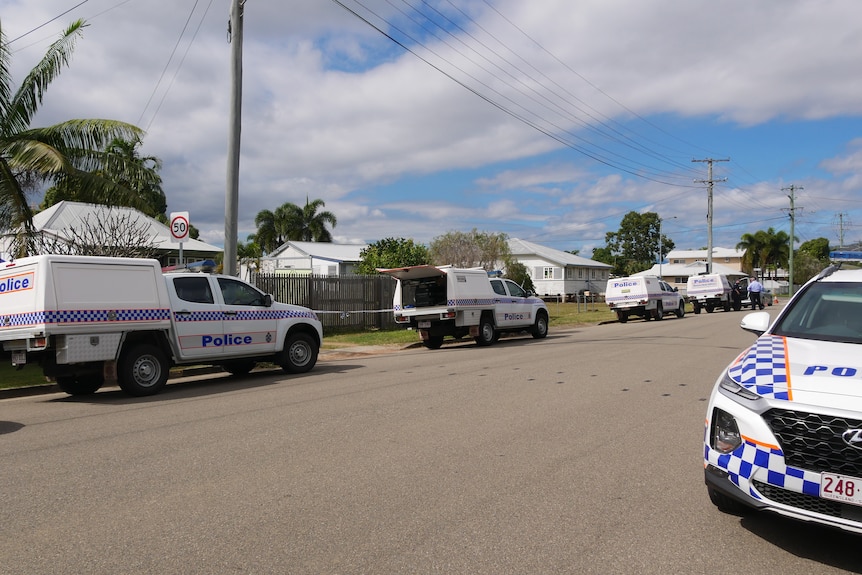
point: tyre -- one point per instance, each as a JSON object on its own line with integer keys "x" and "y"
{"x": 540, "y": 328}
{"x": 709, "y": 309}
{"x": 622, "y": 316}
{"x": 239, "y": 366}
{"x": 726, "y": 306}
{"x": 486, "y": 331}
{"x": 433, "y": 342}
{"x": 724, "y": 503}
{"x": 680, "y": 311}
{"x": 696, "y": 309}
{"x": 299, "y": 354}
{"x": 659, "y": 312}
{"x": 80, "y": 385}
{"x": 143, "y": 370}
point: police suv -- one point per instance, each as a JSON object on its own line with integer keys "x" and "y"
{"x": 784, "y": 423}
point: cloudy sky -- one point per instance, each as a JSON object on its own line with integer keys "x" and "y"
{"x": 547, "y": 120}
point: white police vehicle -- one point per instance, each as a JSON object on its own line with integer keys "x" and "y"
{"x": 784, "y": 423}
{"x": 87, "y": 319}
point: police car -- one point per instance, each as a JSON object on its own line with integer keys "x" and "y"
{"x": 784, "y": 423}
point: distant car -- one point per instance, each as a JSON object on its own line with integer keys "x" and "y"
{"x": 784, "y": 423}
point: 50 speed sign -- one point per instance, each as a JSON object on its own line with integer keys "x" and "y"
{"x": 179, "y": 226}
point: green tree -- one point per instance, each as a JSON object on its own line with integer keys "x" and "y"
{"x": 767, "y": 250}
{"x": 392, "y": 253}
{"x": 634, "y": 247}
{"x": 817, "y": 248}
{"x": 471, "y": 249}
{"x": 307, "y": 224}
{"x": 518, "y": 273}
{"x": 70, "y": 150}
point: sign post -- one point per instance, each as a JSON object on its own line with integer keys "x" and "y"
{"x": 180, "y": 230}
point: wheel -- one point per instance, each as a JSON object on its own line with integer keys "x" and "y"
{"x": 659, "y": 312}
{"x": 299, "y": 354}
{"x": 540, "y": 328}
{"x": 724, "y": 503}
{"x": 143, "y": 370}
{"x": 696, "y": 309}
{"x": 622, "y": 316}
{"x": 709, "y": 309}
{"x": 680, "y": 311}
{"x": 433, "y": 342}
{"x": 647, "y": 315}
{"x": 486, "y": 331}
{"x": 239, "y": 366}
{"x": 80, "y": 385}
{"x": 726, "y": 306}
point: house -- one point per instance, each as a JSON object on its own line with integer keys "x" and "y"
{"x": 54, "y": 224}
{"x": 318, "y": 258}
{"x": 555, "y": 272}
{"x": 729, "y": 258}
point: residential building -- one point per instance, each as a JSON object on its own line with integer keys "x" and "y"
{"x": 558, "y": 273}
{"x": 313, "y": 258}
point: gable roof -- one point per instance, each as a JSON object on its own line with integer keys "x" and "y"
{"x": 322, "y": 250}
{"x": 692, "y": 269}
{"x": 63, "y": 215}
{"x": 524, "y": 248}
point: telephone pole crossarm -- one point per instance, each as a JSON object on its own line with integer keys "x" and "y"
{"x": 709, "y": 181}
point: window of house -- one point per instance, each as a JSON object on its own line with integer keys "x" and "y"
{"x": 548, "y": 273}
{"x": 580, "y": 273}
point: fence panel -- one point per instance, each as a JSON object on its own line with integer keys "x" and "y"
{"x": 343, "y": 303}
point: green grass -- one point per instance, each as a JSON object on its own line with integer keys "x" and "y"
{"x": 562, "y": 315}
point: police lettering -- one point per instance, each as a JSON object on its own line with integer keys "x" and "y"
{"x": 836, "y": 371}
{"x": 226, "y": 339}
{"x": 513, "y": 316}
{"x": 14, "y": 284}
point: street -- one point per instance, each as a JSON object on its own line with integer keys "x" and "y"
{"x": 579, "y": 453}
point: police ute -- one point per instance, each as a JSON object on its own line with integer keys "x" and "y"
{"x": 87, "y": 320}
{"x": 784, "y": 424}
{"x": 443, "y": 301}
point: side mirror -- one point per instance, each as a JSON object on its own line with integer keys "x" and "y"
{"x": 267, "y": 300}
{"x": 757, "y": 322}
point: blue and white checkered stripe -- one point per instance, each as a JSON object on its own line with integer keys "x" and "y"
{"x": 764, "y": 368}
{"x": 65, "y": 317}
{"x": 249, "y": 315}
{"x": 743, "y": 462}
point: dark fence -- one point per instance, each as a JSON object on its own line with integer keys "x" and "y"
{"x": 343, "y": 303}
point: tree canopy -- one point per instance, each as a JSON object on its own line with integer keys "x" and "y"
{"x": 392, "y": 253}
{"x": 767, "y": 250}
{"x": 635, "y": 246}
{"x": 74, "y": 150}
{"x": 290, "y": 222}
{"x": 471, "y": 249}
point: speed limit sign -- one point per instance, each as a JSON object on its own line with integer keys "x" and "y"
{"x": 179, "y": 226}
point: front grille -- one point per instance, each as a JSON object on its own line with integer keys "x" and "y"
{"x": 809, "y": 502}
{"x": 813, "y": 441}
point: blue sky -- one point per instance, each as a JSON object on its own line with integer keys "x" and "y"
{"x": 545, "y": 120}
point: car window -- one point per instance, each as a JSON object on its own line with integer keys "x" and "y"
{"x": 829, "y": 311}
{"x": 194, "y": 289}
{"x": 515, "y": 289}
{"x": 239, "y": 293}
{"x": 497, "y": 285}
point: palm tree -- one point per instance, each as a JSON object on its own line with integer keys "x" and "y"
{"x": 765, "y": 249}
{"x": 306, "y": 224}
{"x": 74, "y": 149}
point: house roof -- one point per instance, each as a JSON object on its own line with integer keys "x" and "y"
{"x": 684, "y": 270}
{"x": 65, "y": 214}
{"x": 521, "y": 248}
{"x": 323, "y": 250}
{"x": 701, "y": 254}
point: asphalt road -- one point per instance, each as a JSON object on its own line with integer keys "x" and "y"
{"x": 580, "y": 453}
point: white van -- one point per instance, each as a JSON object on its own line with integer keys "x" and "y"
{"x": 709, "y": 291}
{"x": 644, "y": 296}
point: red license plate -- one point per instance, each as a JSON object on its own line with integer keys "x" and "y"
{"x": 841, "y": 488}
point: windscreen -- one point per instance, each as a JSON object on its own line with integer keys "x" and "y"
{"x": 827, "y": 311}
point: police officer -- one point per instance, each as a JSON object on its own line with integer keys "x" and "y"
{"x": 755, "y": 288}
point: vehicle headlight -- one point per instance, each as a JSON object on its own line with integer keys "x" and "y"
{"x": 725, "y": 433}
{"x": 728, "y": 384}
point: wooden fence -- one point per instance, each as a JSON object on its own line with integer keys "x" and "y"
{"x": 343, "y": 303}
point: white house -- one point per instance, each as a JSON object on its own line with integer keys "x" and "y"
{"x": 53, "y": 223}
{"x": 318, "y": 258}
{"x": 555, "y": 272}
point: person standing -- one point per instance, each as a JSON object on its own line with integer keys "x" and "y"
{"x": 755, "y": 288}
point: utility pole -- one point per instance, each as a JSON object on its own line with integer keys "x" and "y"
{"x": 660, "y": 254}
{"x": 792, "y": 189}
{"x": 231, "y": 215}
{"x": 709, "y": 181}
